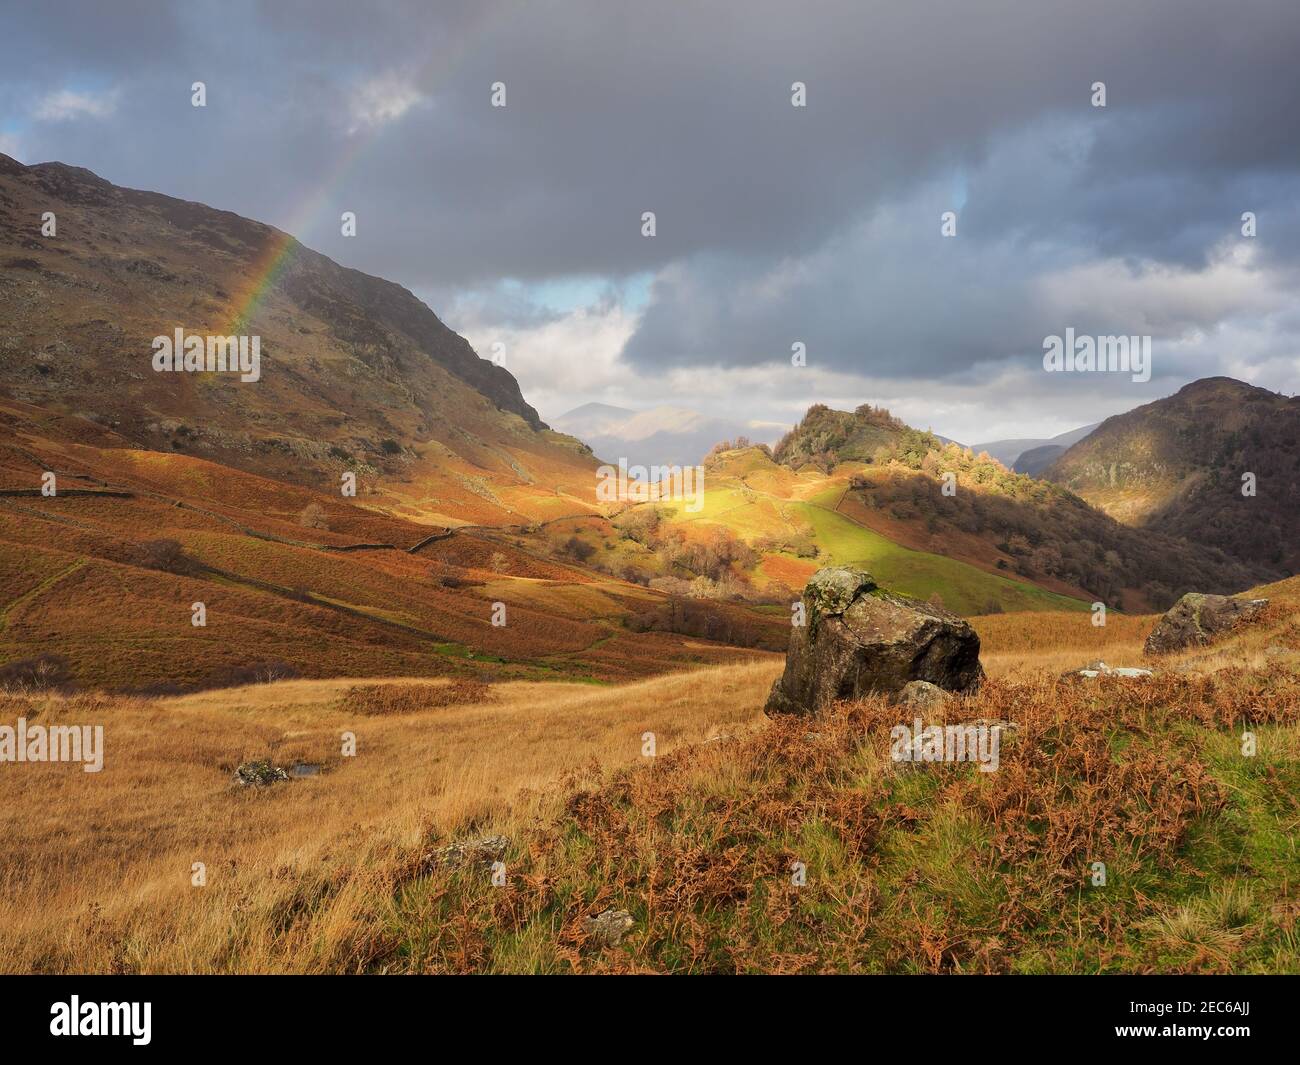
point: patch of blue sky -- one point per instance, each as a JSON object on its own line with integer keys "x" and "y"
{"x": 564, "y": 295}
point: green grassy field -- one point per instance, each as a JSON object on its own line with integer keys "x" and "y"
{"x": 964, "y": 588}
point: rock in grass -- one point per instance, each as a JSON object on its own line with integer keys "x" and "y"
{"x": 858, "y": 639}
{"x": 607, "y": 929}
{"x": 258, "y": 774}
{"x": 921, "y": 695}
{"x": 482, "y": 852}
{"x": 1099, "y": 669}
{"x": 1197, "y": 619}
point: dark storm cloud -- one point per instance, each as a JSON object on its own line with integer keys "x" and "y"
{"x": 774, "y": 224}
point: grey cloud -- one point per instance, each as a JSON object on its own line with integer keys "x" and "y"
{"x": 684, "y": 110}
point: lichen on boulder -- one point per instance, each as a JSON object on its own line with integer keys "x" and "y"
{"x": 1198, "y": 619}
{"x": 859, "y": 639}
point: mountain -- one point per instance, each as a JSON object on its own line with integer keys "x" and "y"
{"x": 662, "y": 435}
{"x": 356, "y": 374}
{"x": 1037, "y": 459}
{"x": 1183, "y": 464}
{"x": 1011, "y": 452}
{"x": 996, "y": 519}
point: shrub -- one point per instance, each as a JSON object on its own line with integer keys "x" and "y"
{"x": 42, "y": 673}
{"x": 165, "y": 555}
{"x": 256, "y": 673}
{"x": 313, "y": 517}
{"x": 577, "y": 549}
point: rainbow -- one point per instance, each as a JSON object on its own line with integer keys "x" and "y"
{"x": 279, "y": 250}
{"x": 266, "y": 271}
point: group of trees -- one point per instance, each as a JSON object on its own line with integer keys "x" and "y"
{"x": 800, "y": 542}
{"x": 718, "y": 554}
{"x": 44, "y": 672}
{"x": 741, "y": 442}
{"x": 827, "y": 437}
{"x": 712, "y": 621}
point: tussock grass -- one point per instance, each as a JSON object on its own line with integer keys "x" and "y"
{"x": 96, "y": 873}
{"x": 926, "y": 868}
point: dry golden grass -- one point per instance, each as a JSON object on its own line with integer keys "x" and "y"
{"x": 1023, "y": 643}
{"x": 96, "y": 870}
{"x": 1026, "y": 644}
{"x": 326, "y": 874}
{"x": 937, "y": 869}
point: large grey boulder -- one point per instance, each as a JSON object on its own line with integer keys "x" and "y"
{"x": 1197, "y": 619}
{"x": 858, "y": 639}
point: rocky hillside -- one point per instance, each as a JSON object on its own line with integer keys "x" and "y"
{"x": 1179, "y": 466}
{"x": 826, "y": 437}
{"x": 356, "y": 373}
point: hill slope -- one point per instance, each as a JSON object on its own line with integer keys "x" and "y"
{"x": 104, "y": 574}
{"x": 1176, "y": 466}
{"x": 926, "y": 867}
{"x": 356, "y": 373}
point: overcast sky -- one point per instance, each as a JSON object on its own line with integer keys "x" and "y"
{"x": 775, "y": 224}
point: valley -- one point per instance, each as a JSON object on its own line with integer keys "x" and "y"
{"x": 439, "y": 724}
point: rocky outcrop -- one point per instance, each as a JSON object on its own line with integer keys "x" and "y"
{"x": 1198, "y": 619}
{"x": 859, "y": 639}
{"x": 480, "y": 852}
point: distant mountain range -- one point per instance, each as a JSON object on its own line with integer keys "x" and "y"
{"x": 658, "y": 436}
{"x": 1033, "y": 456}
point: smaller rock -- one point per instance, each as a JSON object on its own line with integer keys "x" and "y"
{"x": 482, "y": 852}
{"x": 1100, "y": 669}
{"x": 258, "y": 774}
{"x": 922, "y": 695}
{"x": 607, "y": 929}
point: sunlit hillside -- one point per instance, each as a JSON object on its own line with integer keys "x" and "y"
{"x": 105, "y": 575}
{"x": 356, "y": 375}
{"x": 999, "y": 541}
